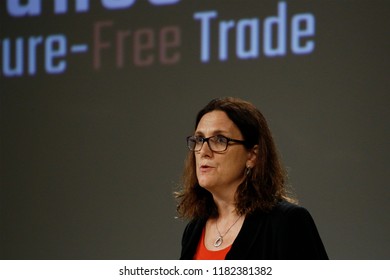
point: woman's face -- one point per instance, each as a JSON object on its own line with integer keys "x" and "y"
{"x": 221, "y": 171}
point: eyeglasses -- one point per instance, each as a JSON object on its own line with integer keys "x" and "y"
{"x": 217, "y": 143}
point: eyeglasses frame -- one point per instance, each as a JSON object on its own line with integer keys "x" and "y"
{"x": 206, "y": 139}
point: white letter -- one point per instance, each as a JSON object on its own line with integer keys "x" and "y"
{"x": 31, "y": 8}
{"x": 204, "y": 18}
{"x": 253, "y": 25}
{"x": 297, "y": 33}
{"x": 280, "y": 23}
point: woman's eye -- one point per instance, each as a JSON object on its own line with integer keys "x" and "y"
{"x": 221, "y": 139}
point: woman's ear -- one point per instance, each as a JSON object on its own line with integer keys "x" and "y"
{"x": 252, "y": 156}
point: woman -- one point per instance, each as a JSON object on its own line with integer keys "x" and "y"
{"x": 234, "y": 191}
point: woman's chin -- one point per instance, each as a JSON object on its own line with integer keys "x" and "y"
{"x": 206, "y": 185}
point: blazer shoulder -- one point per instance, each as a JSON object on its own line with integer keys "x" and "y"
{"x": 299, "y": 232}
{"x": 288, "y": 213}
{"x": 285, "y": 207}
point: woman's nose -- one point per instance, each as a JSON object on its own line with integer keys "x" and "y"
{"x": 205, "y": 149}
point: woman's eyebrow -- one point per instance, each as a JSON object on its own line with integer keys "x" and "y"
{"x": 214, "y": 132}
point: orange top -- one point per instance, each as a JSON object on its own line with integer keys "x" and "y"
{"x": 202, "y": 253}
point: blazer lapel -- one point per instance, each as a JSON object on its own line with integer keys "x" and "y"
{"x": 191, "y": 237}
{"x": 246, "y": 237}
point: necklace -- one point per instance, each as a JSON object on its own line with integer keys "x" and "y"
{"x": 218, "y": 242}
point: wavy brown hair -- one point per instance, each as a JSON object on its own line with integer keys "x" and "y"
{"x": 263, "y": 187}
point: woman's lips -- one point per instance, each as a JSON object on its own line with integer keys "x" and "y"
{"x": 205, "y": 168}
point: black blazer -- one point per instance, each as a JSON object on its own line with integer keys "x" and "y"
{"x": 287, "y": 232}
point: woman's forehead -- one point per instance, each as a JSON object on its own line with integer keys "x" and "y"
{"x": 216, "y": 122}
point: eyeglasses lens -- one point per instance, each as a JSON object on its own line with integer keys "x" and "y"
{"x": 216, "y": 143}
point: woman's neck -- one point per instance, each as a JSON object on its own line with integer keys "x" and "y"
{"x": 226, "y": 208}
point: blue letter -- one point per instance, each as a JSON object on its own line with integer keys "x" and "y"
{"x": 224, "y": 27}
{"x": 18, "y": 69}
{"x": 55, "y": 47}
{"x": 204, "y": 18}
{"x": 280, "y": 23}
{"x": 61, "y": 6}
{"x": 297, "y": 33}
{"x": 117, "y": 4}
{"x": 253, "y": 51}
{"x": 31, "y": 8}
{"x": 163, "y": 2}
{"x": 33, "y": 42}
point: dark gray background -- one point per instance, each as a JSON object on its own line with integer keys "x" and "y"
{"x": 90, "y": 159}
